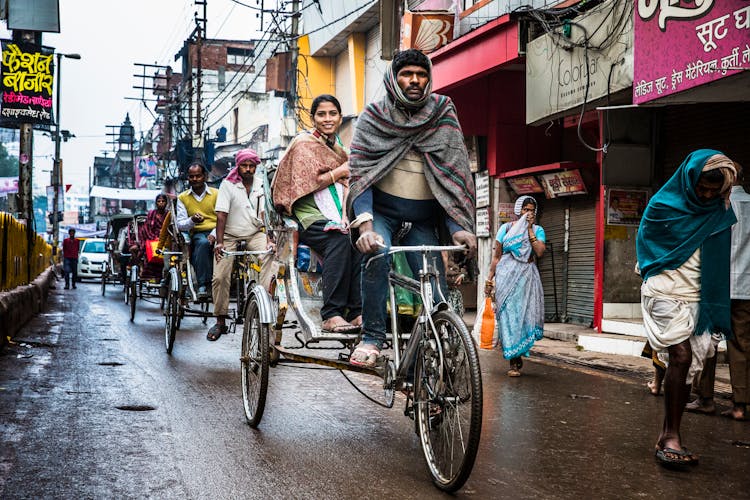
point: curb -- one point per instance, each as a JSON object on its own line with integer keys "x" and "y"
{"x": 19, "y": 305}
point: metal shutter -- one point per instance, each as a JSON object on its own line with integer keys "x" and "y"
{"x": 552, "y": 219}
{"x": 580, "y": 275}
{"x": 682, "y": 129}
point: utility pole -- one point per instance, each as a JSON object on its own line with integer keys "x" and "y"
{"x": 57, "y": 175}
{"x": 200, "y": 29}
{"x": 295, "y": 55}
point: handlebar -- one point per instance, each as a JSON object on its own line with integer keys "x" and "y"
{"x": 170, "y": 253}
{"x": 415, "y": 248}
{"x": 245, "y": 252}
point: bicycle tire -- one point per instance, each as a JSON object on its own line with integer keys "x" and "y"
{"x": 126, "y": 289}
{"x": 254, "y": 361}
{"x": 448, "y": 413}
{"x": 104, "y": 280}
{"x": 171, "y": 318}
{"x": 133, "y": 298}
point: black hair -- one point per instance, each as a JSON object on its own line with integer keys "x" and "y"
{"x": 161, "y": 195}
{"x": 714, "y": 175}
{"x": 324, "y": 98}
{"x": 410, "y": 57}
{"x": 198, "y": 163}
{"x": 529, "y": 200}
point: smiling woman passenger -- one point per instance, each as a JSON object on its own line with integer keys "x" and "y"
{"x": 311, "y": 184}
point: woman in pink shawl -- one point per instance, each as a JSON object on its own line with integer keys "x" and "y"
{"x": 311, "y": 184}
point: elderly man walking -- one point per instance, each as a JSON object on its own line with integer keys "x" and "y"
{"x": 236, "y": 221}
{"x": 683, "y": 247}
{"x": 409, "y": 174}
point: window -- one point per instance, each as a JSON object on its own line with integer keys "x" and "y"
{"x": 239, "y": 56}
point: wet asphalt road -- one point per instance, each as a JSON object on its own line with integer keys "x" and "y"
{"x": 553, "y": 433}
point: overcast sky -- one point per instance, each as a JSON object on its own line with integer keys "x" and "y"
{"x": 110, "y": 36}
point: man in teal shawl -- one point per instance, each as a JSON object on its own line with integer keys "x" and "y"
{"x": 683, "y": 248}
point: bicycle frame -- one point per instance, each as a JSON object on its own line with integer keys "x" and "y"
{"x": 424, "y": 287}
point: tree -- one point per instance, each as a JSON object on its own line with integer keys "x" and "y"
{"x": 8, "y": 163}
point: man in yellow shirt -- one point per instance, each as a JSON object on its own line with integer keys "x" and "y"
{"x": 196, "y": 214}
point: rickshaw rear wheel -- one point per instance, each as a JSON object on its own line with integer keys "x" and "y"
{"x": 254, "y": 359}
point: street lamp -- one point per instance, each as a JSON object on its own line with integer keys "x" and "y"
{"x": 57, "y": 167}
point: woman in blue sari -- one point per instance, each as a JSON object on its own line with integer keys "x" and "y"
{"x": 519, "y": 299}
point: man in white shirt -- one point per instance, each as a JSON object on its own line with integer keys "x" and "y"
{"x": 236, "y": 220}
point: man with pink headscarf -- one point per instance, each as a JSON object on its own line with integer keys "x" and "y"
{"x": 237, "y": 220}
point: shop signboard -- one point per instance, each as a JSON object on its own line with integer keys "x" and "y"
{"x": 565, "y": 183}
{"x": 26, "y": 84}
{"x": 482, "y": 183}
{"x": 595, "y": 59}
{"x": 426, "y": 31}
{"x": 525, "y": 185}
{"x": 680, "y": 46}
{"x": 483, "y": 222}
{"x": 625, "y": 206}
{"x": 8, "y": 185}
{"x": 506, "y": 212}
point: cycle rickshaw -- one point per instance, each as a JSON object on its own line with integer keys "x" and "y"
{"x": 182, "y": 297}
{"x": 112, "y": 271}
{"x": 139, "y": 285}
{"x": 435, "y": 363}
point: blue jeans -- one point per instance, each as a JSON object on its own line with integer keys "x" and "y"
{"x": 70, "y": 266}
{"x": 201, "y": 257}
{"x": 375, "y": 277}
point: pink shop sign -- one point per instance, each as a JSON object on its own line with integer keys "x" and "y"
{"x": 683, "y": 44}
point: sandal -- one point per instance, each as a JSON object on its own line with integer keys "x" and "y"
{"x": 341, "y": 326}
{"x": 514, "y": 373}
{"x": 216, "y": 331}
{"x": 365, "y": 355}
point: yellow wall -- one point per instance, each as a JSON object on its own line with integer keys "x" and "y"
{"x": 357, "y": 44}
{"x": 315, "y": 76}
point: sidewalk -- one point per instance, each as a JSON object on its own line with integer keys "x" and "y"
{"x": 560, "y": 344}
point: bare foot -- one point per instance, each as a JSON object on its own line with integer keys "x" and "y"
{"x": 357, "y": 321}
{"x": 654, "y": 389}
{"x": 735, "y": 413}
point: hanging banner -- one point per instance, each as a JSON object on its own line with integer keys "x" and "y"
{"x": 145, "y": 169}
{"x": 8, "y": 185}
{"x": 26, "y": 82}
{"x": 565, "y": 183}
{"x": 678, "y": 47}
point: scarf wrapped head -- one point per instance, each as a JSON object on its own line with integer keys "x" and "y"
{"x": 388, "y": 129}
{"x": 676, "y": 223}
{"x": 241, "y": 156}
{"x": 521, "y": 201}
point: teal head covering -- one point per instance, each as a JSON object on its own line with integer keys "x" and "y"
{"x": 676, "y": 223}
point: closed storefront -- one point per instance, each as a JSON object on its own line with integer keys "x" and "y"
{"x": 567, "y": 267}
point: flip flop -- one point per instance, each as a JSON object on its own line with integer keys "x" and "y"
{"x": 365, "y": 355}
{"x": 671, "y": 458}
{"x": 342, "y": 328}
{"x": 216, "y": 331}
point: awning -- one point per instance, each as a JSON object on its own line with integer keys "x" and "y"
{"x": 123, "y": 194}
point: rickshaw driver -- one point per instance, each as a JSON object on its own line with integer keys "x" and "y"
{"x": 236, "y": 221}
{"x": 196, "y": 214}
{"x": 409, "y": 165}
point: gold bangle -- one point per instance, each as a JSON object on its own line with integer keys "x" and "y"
{"x": 333, "y": 179}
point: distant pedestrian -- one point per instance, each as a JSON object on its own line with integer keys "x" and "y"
{"x": 683, "y": 248}
{"x": 70, "y": 258}
{"x": 738, "y": 346}
{"x": 519, "y": 298}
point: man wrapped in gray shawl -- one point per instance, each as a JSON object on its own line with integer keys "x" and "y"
{"x": 409, "y": 168}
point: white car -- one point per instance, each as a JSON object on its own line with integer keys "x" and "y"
{"x": 91, "y": 258}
